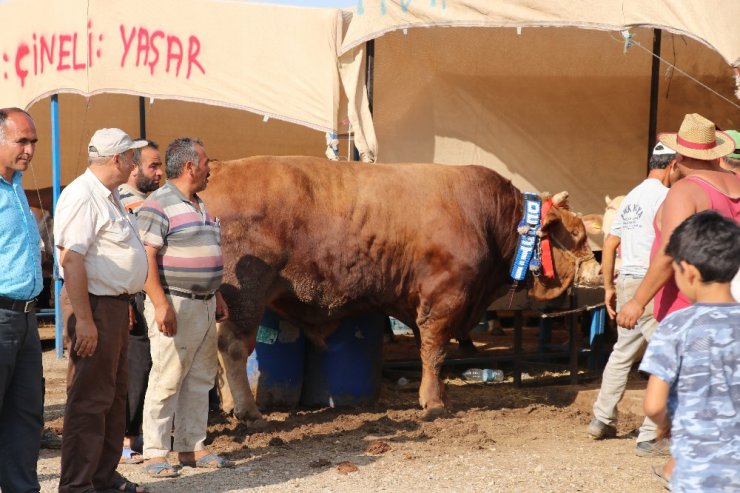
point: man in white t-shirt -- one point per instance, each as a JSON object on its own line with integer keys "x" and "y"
{"x": 632, "y": 229}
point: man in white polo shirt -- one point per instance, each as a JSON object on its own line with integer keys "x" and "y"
{"x": 103, "y": 263}
{"x": 632, "y": 229}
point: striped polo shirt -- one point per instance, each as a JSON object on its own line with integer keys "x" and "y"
{"x": 20, "y": 255}
{"x": 131, "y": 198}
{"x": 189, "y": 241}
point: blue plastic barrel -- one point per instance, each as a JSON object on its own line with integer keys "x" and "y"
{"x": 275, "y": 367}
{"x": 348, "y": 371}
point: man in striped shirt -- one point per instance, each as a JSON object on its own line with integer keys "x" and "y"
{"x": 183, "y": 246}
{"x": 144, "y": 179}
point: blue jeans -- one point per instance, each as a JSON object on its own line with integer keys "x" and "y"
{"x": 21, "y": 401}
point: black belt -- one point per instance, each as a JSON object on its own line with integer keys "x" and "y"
{"x": 23, "y": 306}
{"x": 188, "y": 294}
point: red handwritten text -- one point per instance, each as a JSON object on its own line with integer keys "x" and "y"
{"x": 58, "y": 52}
{"x": 158, "y": 50}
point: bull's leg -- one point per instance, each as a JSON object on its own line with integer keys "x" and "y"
{"x": 232, "y": 355}
{"x": 432, "y": 395}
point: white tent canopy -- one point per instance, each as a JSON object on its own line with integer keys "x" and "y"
{"x": 551, "y": 107}
{"x": 272, "y": 60}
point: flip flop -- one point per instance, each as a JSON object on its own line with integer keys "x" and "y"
{"x": 129, "y": 456}
{"x": 211, "y": 461}
{"x": 161, "y": 470}
{"x": 658, "y": 473}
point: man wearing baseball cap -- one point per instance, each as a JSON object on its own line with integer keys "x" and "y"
{"x": 632, "y": 229}
{"x": 103, "y": 263}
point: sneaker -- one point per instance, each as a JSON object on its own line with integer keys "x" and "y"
{"x": 50, "y": 440}
{"x": 599, "y": 430}
{"x": 653, "y": 448}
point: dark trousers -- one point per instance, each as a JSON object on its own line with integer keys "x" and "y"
{"x": 95, "y": 413}
{"x": 139, "y": 365}
{"x": 21, "y": 405}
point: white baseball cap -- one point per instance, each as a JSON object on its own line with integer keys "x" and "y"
{"x": 111, "y": 141}
{"x": 662, "y": 150}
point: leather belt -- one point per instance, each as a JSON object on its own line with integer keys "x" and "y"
{"x": 23, "y": 306}
{"x": 188, "y": 294}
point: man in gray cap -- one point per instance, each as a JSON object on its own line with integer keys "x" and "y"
{"x": 632, "y": 229}
{"x": 103, "y": 263}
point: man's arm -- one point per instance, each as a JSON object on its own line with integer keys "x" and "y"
{"x": 655, "y": 405}
{"x": 608, "y": 254}
{"x": 75, "y": 282}
{"x": 164, "y": 314}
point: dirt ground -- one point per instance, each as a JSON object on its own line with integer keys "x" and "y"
{"x": 497, "y": 438}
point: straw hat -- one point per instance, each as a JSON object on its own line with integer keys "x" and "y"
{"x": 697, "y": 138}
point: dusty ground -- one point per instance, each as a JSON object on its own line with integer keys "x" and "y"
{"x": 496, "y": 439}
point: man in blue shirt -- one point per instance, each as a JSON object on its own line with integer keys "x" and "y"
{"x": 21, "y": 388}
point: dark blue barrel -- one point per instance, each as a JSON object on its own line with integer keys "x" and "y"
{"x": 348, "y": 371}
{"x": 275, "y": 367}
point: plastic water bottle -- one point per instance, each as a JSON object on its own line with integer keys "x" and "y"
{"x": 483, "y": 375}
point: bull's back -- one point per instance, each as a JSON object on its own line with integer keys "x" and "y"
{"x": 355, "y": 229}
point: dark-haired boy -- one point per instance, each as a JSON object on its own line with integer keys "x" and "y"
{"x": 693, "y": 358}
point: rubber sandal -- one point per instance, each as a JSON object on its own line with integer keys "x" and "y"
{"x": 123, "y": 484}
{"x": 211, "y": 461}
{"x": 658, "y": 473}
{"x": 161, "y": 470}
{"x": 130, "y": 456}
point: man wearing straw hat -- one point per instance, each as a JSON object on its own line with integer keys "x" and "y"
{"x": 699, "y": 148}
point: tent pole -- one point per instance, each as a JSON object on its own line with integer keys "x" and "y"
{"x": 56, "y": 186}
{"x": 369, "y": 71}
{"x": 654, "y": 85}
{"x": 142, "y": 118}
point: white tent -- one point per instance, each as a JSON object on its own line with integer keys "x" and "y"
{"x": 277, "y": 62}
{"x": 542, "y": 90}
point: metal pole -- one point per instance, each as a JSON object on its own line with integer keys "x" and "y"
{"x": 56, "y": 187}
{"x": 369, "y": 71}
{"x": 142, "y": 117}
{"x": 654, "y": 85}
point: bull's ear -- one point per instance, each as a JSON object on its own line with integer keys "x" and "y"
{"x": 607, "y": 199}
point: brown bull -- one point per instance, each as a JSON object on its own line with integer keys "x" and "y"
{"x": 318, "y": 241}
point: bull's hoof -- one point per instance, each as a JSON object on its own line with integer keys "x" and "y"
{"x": 432, "y": 413}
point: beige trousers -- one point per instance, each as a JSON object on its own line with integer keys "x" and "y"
{"x": 183, "y": 372}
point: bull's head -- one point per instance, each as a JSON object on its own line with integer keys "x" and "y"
{"x": 572, "y": 258}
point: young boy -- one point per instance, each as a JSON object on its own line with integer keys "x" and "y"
{"x": 693, "y": 394}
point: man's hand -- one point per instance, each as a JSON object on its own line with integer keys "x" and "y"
{"x": 610, "y": 300}
{"x": 86, "y": 338}
{"x": 629, "y": 314}
{"x": 222, "y": 310}
{"x": 166, "y": 320}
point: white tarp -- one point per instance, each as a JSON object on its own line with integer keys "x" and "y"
{"x": 552, "y": 108}
{"x": 272, "y": 60}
